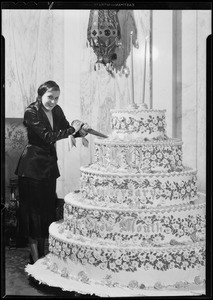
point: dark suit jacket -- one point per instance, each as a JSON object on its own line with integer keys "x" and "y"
{"x": 39, "y": 158}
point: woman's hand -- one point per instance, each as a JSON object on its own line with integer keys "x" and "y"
{"x": 83, "y": 131}
{"x": 76, "y": 124}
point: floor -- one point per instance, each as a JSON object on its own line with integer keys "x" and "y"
{"x": 16, "y": 282}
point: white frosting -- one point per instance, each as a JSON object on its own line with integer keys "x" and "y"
{"x": 90, "y": 258}
{"x": 139, "y": 157}
{"x": 136, "y": 111}
{"x": 155, "y": 226}
{"x": 122, "y": 189}
{"x": 137, "y": 222}
{"x": 139, "y": 142}
{"x": 126, "y": 136}
{"x": 138, "y": 123}
{"x": 49, "y": 273}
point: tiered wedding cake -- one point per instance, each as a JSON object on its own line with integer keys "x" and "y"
{"x": 137, "y": 225}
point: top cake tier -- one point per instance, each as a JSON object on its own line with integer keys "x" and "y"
{"x": 130, "y": 124}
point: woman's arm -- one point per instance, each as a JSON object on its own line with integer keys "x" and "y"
{"x": 36, "y": 124}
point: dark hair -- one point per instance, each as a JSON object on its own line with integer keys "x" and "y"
{"x": 47, "y": 86}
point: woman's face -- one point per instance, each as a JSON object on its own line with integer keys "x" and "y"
{"x": 50, "y": 99}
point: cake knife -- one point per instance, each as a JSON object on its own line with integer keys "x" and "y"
{"x": 94, "y": 132}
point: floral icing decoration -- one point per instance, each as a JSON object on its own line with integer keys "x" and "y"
{"x": 64, "y": 272}
{"x": 181, "y": 284}
{"x": 158, "y": 285}
{"x": 61, "y": 229}
{"x": 198, "y": 280}
{"x": 107, "y": 280}
{"x": 54, "y": 267}
{"x": 137, "y": 192}
{"x": 130, "y": 226}
{"x": 148, "y": 124}
{"x": 133, "y": 284}
{"x": 141, "y": 157}
{"x": 130, "y": 260}
{"x": 82, "y": 276}
{"x": 147, "y": 171}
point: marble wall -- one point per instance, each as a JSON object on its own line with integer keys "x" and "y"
{"x": 179, "y": 80}
{"x": 196, "y": 26}
{"x": 34, "y": 54}
{"x": 162, "y": 64}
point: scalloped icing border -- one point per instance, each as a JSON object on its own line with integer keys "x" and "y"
{"x": 88, "y": 242}
{"x": 150, "y": 175}
{"x": 136, "y": 110}
{"x": 169, "y": 142}
{"x": 77, "y": 244}
{"x": 43, "y": 272}
{"x": 151, "y": 210}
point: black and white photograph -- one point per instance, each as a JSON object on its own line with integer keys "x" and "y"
{"x": 106, "y": 140}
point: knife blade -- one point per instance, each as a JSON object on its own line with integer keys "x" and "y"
{"x": 94, "y": 132}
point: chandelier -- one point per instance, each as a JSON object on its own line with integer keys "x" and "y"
{"x": 104, "y": 36}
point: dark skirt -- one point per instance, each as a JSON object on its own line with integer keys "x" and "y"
{"x": 37, "y": 207}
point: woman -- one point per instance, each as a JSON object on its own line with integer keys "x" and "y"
{"x": 37, "y": 169}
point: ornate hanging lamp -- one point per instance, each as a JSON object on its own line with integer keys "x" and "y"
{"x": 104, "y": 36}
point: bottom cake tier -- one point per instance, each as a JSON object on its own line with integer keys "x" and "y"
{"x": 83, "y": 259}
